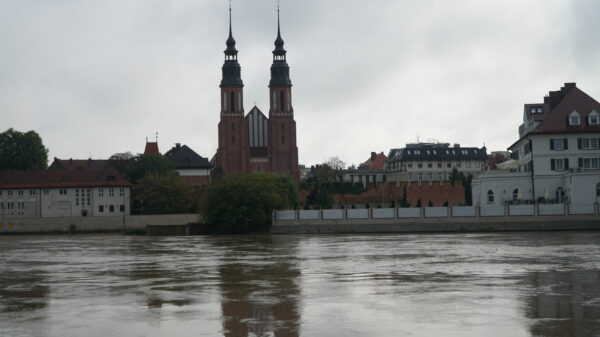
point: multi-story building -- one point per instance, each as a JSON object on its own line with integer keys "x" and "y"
{"x": 63, "y": 193}
{"x": 370, "y": 171}
{"x": 429, "y": 162}
{"x": 255, "y": 142}
{"x": 557, "y": 154}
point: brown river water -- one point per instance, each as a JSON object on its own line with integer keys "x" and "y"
{"x": 510, "y": 284}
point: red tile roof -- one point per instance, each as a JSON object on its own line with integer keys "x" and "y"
{"x": 62, "y": 179}
{"x": 573, "y": 100}
{"x": 151, "y": 148}
{"x": 374, "y": 163}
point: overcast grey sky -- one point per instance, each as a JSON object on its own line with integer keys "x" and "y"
{"x": 97, "y": 77}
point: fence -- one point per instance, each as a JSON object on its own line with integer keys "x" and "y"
{"x": 536, "y": 210}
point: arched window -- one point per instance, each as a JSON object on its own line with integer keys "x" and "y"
{"x": 560, "y": 195}
{"x": 593, "y": 118}
{"x": 574, "y": 118}
{"x": 490, "y": 197}
{"x": 598, "y": 189}
{"x": 232, "y": 101}
{"x": 282, "y": 100}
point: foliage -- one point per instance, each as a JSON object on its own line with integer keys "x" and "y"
{"x": 466, "y": 182}
{"x": 404, "y": 201}
{"x": 22, "y": 151}
{"x": 164, "y": 195}
{"x": 330, "y": 171}
{"x": 430, "y": 204}
{"x": 121, "y": 161}
{"x": 144, "y": 165}
{"x": 319, "y": 198}
{"x": 243, "y": 203}
{"x": 445, "y": 203}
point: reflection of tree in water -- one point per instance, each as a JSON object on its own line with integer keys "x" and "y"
{"x": 565, "y": 304}
{"x": 260, "y": 293}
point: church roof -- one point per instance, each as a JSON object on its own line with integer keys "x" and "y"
{"x": 151, "y": 148}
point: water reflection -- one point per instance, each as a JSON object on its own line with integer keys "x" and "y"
{"x": 564, "y": 304}
{"x": 260, "y": 296}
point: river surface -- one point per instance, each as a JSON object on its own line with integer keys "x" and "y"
{"x": 517, "y": 284}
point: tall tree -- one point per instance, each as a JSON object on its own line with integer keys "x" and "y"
{"x": 121, "y": 161}
{"x": 144, "y": 165}
{"x": 22, "y": 151}
{"x": 163, "y": 195}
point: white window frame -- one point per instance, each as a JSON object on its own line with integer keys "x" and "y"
{"x": 594, "y": 118}
{"x": 558, "y": 167}
{"x": 574, "y": 114}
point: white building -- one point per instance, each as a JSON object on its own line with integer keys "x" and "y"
{"x": 433, "y": 162}
{"x": 557, "y": 155}
{"x": 63, "y": 193}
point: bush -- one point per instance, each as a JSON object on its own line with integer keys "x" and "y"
{"x": 239, "y": 203}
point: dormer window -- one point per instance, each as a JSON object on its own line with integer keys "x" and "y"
{"x": 537, "y": 110}
{"x": 593, "y": 118}
{"x": 574, "y": 118}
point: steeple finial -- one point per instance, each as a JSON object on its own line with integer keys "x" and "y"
{"x": 279, "y": 51}
{"x": 230, "y": 51}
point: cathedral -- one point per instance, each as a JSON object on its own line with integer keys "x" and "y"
{"x": 254, "y": 142}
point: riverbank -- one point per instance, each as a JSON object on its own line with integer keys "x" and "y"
{"x": 109, "y": 224}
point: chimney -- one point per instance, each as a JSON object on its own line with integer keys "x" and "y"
{"x": 456, "y": 145}
{"x": 373, "y": 155}
{"x": 177, "y": 146}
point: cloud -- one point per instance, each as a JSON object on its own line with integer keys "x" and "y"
{"x": 95, "y": 78}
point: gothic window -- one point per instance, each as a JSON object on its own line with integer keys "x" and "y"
{"x": 232, "y": 101}
{"x": 224, "y": 101}
{"x": 281, "y": 99}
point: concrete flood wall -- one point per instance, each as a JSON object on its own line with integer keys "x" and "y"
{"x": 440, "y": 219}
{"x": 92, "y": 224}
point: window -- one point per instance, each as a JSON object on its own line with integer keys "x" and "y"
{"x": 430, "y": 177}
{"x": 490, "y": 197}
{"x": 589, "y": 163}
{"x": 593, "y": 118}
{"x": 9, "y": 193}
{"x": 232, "y": 98}
{"x": 458, "y": 164}
{"x": 420, "y": 177}
{"x": 468, "y": 164}
{"x": 20, "y": 193}
{"x": 560, "y": 195}
{"x": 559, "y": 164}
{"x": 420, "y": 165}
{"x": 101, "y": 209}
{"x": 440, "y": 176}
{"x": 111, "y": 208}
{"x": 281, "y": 100}
{"x": 111, "y": 192}
{"x": 409, "y": 165}
{"x": 574, "y": 118}
{"x": 587, "y": 143}
{"x": 439, "y": 164}
{"x": 410, "y": 178}
{"x": 537, "y": 110}
{"x": 121, "y": 192}
{"x": 515, "y": 195}
{"x": 101, "y": 192}
{"x": 449, "y": 164}
{"x": 63, "y": 191}
{"x": 46, "y": 192}
{"x": 31, "y": 192}
{"x": 598, "y": 189}
{"x": 429, "y": 165}
{"x": 559, "y": 144}
{"x": 122, "y": 208}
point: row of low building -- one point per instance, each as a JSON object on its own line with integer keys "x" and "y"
{"x": 555, "y": 159}
{"x": 90, "y": 187}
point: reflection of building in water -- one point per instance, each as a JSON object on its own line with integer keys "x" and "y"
{"x": 565, "y": 304}
{"x": 260, "y": 299}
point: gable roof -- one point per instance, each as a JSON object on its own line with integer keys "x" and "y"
{"x": 375, "y": 163}
{"x": 80, "y": 164}
{"x": 62, "y": 179}
{"x": 185, "y": 158}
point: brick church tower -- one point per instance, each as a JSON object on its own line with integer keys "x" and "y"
{"x": 254, "y": 142}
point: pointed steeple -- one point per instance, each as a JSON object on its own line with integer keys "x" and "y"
{"x": 279, "y": 50}
{"x": 280, "y": 71}
{"x": 232, "y": 72}
{"x": 230, "y": 51}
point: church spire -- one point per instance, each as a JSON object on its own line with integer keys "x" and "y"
{"x": 280, "y": 71}
{"x": 231, "y": 68}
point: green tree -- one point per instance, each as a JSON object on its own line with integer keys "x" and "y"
{"x": 465, "y": 181}
{"x": 430, "y": 204}
{"x": 168, "y": 194}
{"x": 121, "y": 161}
{"x": 243, "y": 203}
{"x": 22, "y": 151}
{"x": 144, "y": 165}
